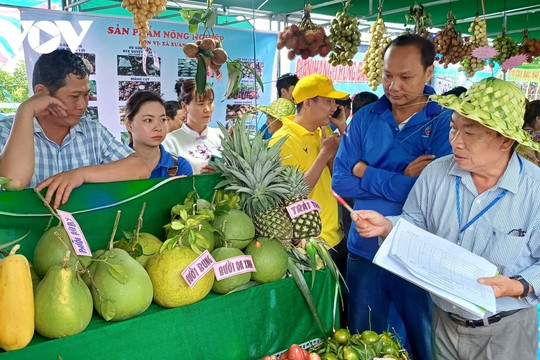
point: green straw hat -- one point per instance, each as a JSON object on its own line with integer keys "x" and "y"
{"x": 496, "y": 104}
{"x": 278, "y": 109}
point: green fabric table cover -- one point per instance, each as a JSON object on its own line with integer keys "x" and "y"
{"x": 248, "y": 324}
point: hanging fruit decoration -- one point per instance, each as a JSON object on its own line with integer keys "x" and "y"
{"x": 421, "y": 19}
{"x": 209, "y": 50}
{"x": 449, "y": 44}
{"x": 305, "y": 38}
{"x": 345, "y": 36}
{"x": 143, "y": 10}
{"x": 373, "y": 58}
{"x": 529, "y": 47}
{"x": 478, "y": 38}
{"x": 506, "y": 46}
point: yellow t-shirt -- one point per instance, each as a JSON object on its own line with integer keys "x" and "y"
{"x": 301, "y": 150}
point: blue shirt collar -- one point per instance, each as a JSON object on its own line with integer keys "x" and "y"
{"x": 431, "y": 108}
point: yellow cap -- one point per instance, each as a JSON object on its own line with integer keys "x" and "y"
{"x": 314, "y": 85}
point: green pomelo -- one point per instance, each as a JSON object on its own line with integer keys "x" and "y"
{"x": 237, "y": 227}
{"x": 35, "y": 278}
{"x": 124, "y": 285}
{"x": 230, "y": 283}
{"x": 170, "y": 288}
{"x": 95, "y": 255}
{"x": 149, "y": 243}
{"x": 269, "y": 257}
{"x": 63, "y": 303}
{"x": 50, "y": 251}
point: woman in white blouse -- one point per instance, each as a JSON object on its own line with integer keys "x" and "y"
{"x": 195, "y": 141}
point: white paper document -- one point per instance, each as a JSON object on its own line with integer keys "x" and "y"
{"x": 439, "y": 266}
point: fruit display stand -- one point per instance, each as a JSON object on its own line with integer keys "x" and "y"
{"x": 247, "y": 324}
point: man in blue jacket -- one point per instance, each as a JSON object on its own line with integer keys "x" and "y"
{"x": 384, "y": 149}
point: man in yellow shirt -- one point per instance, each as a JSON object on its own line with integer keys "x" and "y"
{"x": 311, "y": 144}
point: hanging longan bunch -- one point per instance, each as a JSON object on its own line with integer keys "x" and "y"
{"x": 345, "y": 36}
{"x": 478, "y": 38}
{"x": 449, "y": 43}
{"x": 373, "y": 58}
{"x": 143, "y": 10}
{"x": 506, "y": 46}
{"x": 213, "y": 54}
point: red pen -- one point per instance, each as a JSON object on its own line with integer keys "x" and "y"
{"x": 343, "y": 202}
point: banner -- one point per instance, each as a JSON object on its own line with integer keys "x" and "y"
{"x": 527, "y": 77}
{"x": 119, "y": 66}
{"x": 345, "y": 78}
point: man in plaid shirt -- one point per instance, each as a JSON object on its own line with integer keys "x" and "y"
{"x": 47, "y": 144}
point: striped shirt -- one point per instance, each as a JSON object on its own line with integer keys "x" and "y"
{"x": 87, "y": 143}
{"x": 432, "y": 206}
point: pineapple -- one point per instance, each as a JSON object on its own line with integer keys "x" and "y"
{"x": 308, "y": 224}
{"x": 252, "y": 169}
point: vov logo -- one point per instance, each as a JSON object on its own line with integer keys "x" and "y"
{"x": 56, "y": 31}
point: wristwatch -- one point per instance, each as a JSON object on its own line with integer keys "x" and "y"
{"x": 525, "y": 284}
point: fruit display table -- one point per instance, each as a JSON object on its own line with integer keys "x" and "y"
{"x": 243, "y": 325}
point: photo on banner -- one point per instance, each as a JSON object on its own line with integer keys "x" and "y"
{"x": 119, "y": 66}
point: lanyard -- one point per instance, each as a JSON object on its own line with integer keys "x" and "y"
{"x": 458, "y": 207}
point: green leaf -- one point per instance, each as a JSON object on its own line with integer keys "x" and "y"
{"x": 196, "y": 249}
{"x": 118, "y": 272}
{"x": 108, "y": 309}
{"x": 4, "y": 180}
{"x": 186, "y": 14}
{"x": 312, "y": 261}
{"x": 304, "y": 289}
{"x": 209, "y": 19}
{"x": 177, "y": 225}
{"x": 192, "y": 237}
{"x": 201, "y": 240}
{"x": 176, "y": 209}
{"x": 196, "y": 18}
{"x": 169, "y": 244}
{"x": 183, "y": 215}
{"x": 233, "y": 79}
{"x": 206, "y": 53}
{"x": 200, "y": 77}
{"x": 3, "y": 246}
{"x": 193, "y": 28}
{"x": 128, "y": 235}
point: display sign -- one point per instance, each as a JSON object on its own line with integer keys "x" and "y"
{"x": 119, "y": 66}
{"x": 198, "y": 268}
{"x": 233, "y": 266}
{"x": 302, "y": 207}
{"x": 80, "y": 245}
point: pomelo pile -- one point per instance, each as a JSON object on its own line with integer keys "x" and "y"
{"x": 121, "y": 281}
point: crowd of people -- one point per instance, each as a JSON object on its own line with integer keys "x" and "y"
{"x": 462, "y": 165}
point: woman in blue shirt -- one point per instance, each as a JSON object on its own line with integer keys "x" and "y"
{"x": 146, "y": 122}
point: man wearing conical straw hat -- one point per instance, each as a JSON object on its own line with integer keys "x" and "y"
{"x": 277, "y": 110}
{"x": 484, "y": 198}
